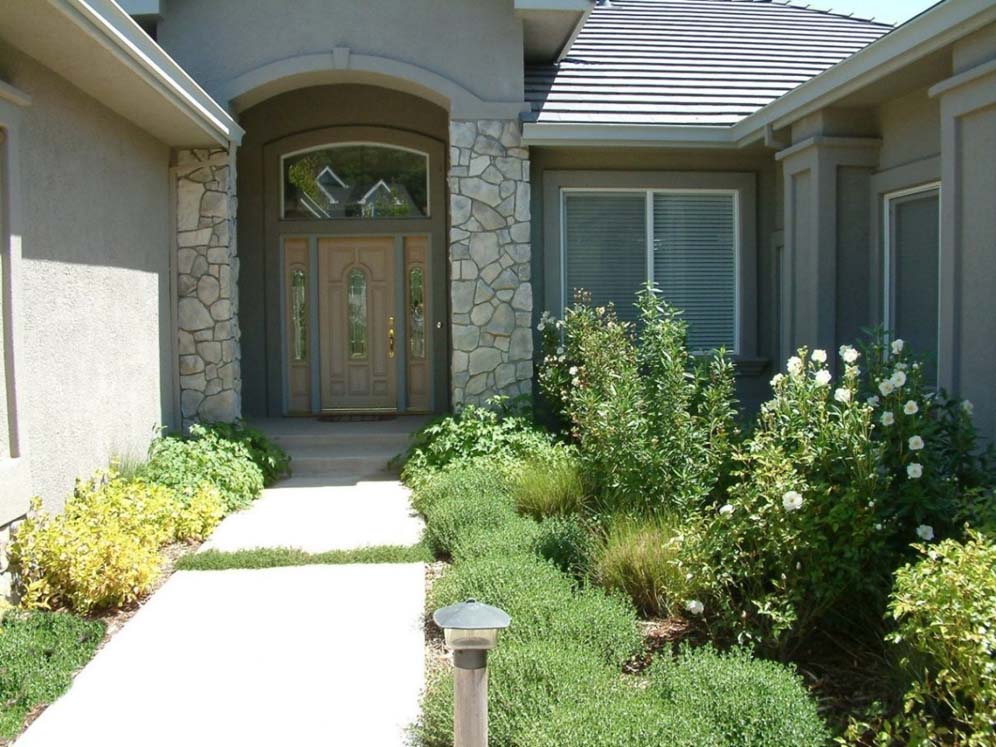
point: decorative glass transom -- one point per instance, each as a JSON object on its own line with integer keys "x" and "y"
{"x": 356, "y": 181}
{"x": 356, "y": 298}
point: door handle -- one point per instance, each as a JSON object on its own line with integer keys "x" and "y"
{"x": 390, "y": 337}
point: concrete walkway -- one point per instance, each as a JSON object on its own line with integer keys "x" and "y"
{"x": 316, "y": 655}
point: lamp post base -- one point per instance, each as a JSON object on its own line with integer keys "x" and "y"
{"x": 470, "y": 698}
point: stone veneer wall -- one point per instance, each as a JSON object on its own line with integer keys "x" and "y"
{"x": 207, "y": 285}
{"x": 491, "y": 290}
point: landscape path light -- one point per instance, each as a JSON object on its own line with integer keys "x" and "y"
{"x": 470, "y": 630}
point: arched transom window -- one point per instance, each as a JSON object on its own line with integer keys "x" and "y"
{"x": 356, "y": 181}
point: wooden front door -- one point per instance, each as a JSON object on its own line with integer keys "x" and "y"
{"x": 358, "y": 323}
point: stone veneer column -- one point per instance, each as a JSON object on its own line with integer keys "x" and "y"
{"x": 207, "y": 285}
{"x": 491, "y": 291}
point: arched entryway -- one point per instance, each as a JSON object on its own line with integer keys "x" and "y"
{"x": 342, "y": 235}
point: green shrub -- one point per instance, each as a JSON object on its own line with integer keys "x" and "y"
{"x": 543, "y": 604}
{"x": 103, "y": 550}
{"x": 473, "y": 432}
{"x": 458, "y": 513}
{"x": 185, "y": 464}
{"x": 747, "y": 702}
{"x": 279, "y": 557}
{"x": 526, "y": 682}
{"x": 642, "y": 560}
{"x": 549, "y": 488}
{"x": 517, "y": 536}
{"x": 39, "y": 654}
{"x": 272, "y": 460}
{"x": 567, "y": 543}
{"x": 653, "y": 423}
{"x": 475, "y": 478}
{"x": 945, "y": 609}
{"x": 622, "y": 717}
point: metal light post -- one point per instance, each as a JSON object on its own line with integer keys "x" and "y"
{"x": 470, "y": 630}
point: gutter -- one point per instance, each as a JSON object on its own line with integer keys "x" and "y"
{"x": 116, "y": 31}
{"x": 927, "y": 33}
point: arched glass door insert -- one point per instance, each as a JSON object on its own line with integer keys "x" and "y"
{"x": 360, "y": 181}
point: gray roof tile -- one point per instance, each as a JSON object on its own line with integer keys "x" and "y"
{"x": 690, "y": 62}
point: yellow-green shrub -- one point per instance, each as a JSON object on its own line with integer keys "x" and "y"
{"x": 102, "y": 551}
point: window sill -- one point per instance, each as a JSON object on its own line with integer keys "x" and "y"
{"x": 750, "y": 366}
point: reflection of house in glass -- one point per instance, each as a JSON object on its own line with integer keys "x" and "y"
{"x": 364, "y": 182}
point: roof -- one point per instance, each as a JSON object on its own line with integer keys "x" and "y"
{"x": 690, "y": 62}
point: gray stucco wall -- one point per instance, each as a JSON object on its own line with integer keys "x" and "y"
{"x": 299, "y": 112}
{"x": 476, "y": 44}
{"x": 910, "y": 127}
{"x": 752, "y": 385}
{"x": 94, "y": 364}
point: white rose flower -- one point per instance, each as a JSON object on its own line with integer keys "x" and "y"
{"x": 560, "y": 351}
{"x": 848, "y": 353}
{"x": 820, "y": 356}
{"x": 914, "y": 470}
{"x": 776, "y": 380}
{"x": 878, "y": 527}
{"x": 967, "y": 407}
{"x": 897, "y": 346}
{"x": 888, "y": 418}
{"x": 925, "y": 532}
{"x": 540, "y": 327}
{"x": 898, "y": 379}
{"x": 573, "y": 370}
{"x": 885, "y": 387}
{"x": 911, "y": 408}
{"x": 794, "y": 365}
{"x": 874, "y": 401}
{"x": 822, "y": 377}
{"x": 915, "y": 443}
{"x": 726, "y": 510}
{"x": 695, "y": 606}
{"x": 792, "y": 500}
{"x": 842, "y": 395}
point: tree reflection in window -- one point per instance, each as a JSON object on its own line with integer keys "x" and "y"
{"x": 299, "y": 314}
{"x": 416, "y": 311}
{"x": 357, "y": 313}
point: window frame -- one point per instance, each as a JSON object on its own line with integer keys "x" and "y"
{"x": 649, "y": 194}
{"x": 888, "y": 257}
{"x": 282, "y": 216}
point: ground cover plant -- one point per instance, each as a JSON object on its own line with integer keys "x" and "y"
{"x": 39, "y": 654}
{"x": 272, "y": 460}
{"x": 279, "y": 557}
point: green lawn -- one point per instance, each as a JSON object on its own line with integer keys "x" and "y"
{"x": 278, "y": 557}
{"x": 39, "y": 654}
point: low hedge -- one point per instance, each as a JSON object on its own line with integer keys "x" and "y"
{"x": 454, "y": 515}
{"x": 567, "y": 543}
{"x": 517, "y": 536}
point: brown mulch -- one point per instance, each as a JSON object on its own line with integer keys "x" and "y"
{"x": 437, "y": 657}
{"x": 657, "y": 634}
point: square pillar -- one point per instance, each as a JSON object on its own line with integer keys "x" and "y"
{"x": 491, "y": 290}
{"x": 207, "y": 270}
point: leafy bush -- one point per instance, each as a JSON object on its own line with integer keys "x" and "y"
{"x": 526, "y": 682}
{"x": 456, "y": 514}
{"x": 102, "y": 551}
{"x": 945, "y": 607}
{"x": 185, "y": 464}
{"x": 517, "y": 536}
{"x": 272, "y": 460}
{"x": 567, "y": 543}
{"x": 39, "y": 654}
{"x": 747, "y": 702}
{"x": 473, "y": 432}
{"x": 653, "y": 423}
{"x": 802, "y": 538}
{"x": 478, "y": 477}
{"x": 549, "y": 488}
{"x": 543, "y": 604}
{"x": 642, "y": 560}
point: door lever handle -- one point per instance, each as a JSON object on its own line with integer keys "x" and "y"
{"x": 390, "y": 337}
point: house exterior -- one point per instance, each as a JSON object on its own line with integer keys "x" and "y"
{"x": 223, "y": 209}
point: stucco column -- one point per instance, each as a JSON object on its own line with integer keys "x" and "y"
{"x": 207, "y": 271}
{"x": 491, "y": 290}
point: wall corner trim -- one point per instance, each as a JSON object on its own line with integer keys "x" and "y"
{"x": 15, "y": 96}
{"x": 957, "y": 81}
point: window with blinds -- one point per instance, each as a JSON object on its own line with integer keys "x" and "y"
{"x": 687, "y": 245}
{"x": 606, "y": 248}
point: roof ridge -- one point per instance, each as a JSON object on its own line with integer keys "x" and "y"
{"x": 796, "y": 4}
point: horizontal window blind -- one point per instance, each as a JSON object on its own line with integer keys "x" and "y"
{"x": 694, "y": 248}
{"x": 606, "y": 248}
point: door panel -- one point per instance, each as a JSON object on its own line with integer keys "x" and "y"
{"x": 356, "y": 308}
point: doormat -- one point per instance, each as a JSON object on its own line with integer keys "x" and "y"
{"x": 370, "y": 417}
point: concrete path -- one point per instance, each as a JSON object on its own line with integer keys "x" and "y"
{"x": 316, "y": 655}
